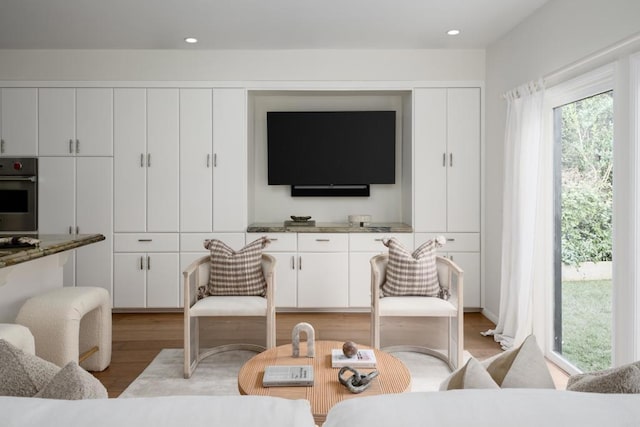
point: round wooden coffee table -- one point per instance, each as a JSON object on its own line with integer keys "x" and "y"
{"x": 326, "y": 391}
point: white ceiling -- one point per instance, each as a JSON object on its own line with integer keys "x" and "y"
{"x": 257, "y": 24}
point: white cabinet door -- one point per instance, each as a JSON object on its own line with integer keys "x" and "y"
{"x": 162, "y": 160}
{"x": 430, "y": 159}
{"x": 463, "y": 173}
{"x": 56, "y": 121}
{"x": 130, "y": 179}
{"x": 360, "y": 278}
{"x": 163, "y": 280}
{"x": 75, "y": 121}
{"x": 470, "y": 263}
{"x": 56, "y": 195}
{"x": 286, "y": 279}
{"x": 94, "y": 215}
{"x": 18, "y": 122}
{"x": 230, "y": 160}
{"x": 94, "y": 122}
{"x": 196, "y": 161}
{"x": 323, "y": 280}
{"x": 129, "y": 280}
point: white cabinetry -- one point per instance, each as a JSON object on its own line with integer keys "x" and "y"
{"x": 146, "y": 160}
{"x": 75, "y": 121}
{"x": 447, "y": 176}
{"x": 75, "y": 196}
{"x": 146, "y": 270}
{"x": 213, "y": 160}
{"x": 18, "y": 122}
{"x": 363, "y": 247}
{"x": 283, "y": 248}
{"x": 323, "y": 270}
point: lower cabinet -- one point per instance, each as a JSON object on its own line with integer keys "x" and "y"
{"x": 464, "y": 250}
{"x": 146, "y": 270}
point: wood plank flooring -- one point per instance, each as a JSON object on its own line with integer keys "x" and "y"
{"x": 139, "y": 337}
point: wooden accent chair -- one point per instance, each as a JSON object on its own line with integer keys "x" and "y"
{"x": 451, "y": 278}
{"x": 197, "y": 274}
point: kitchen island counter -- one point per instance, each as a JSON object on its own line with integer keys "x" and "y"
{"x": 49, "y": 244}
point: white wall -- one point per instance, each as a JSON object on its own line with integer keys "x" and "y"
{"x": 239, "y": 65}
{"x": 557, "y": 35}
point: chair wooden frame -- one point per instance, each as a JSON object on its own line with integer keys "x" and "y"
{"x": 196, "y": 275}
{"x": 451, "y": 278}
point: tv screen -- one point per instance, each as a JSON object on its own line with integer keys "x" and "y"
{"x": 331, "y": 147}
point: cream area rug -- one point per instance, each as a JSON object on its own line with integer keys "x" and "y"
{"x": 217, "y": 375}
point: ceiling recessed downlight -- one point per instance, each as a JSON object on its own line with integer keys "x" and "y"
{"x": 453, "y": 32}
{"x": 191, "y": 40}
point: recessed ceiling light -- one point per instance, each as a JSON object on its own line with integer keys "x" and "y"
{"x": 191, "y": 40}
{"x": 453, "y": 32}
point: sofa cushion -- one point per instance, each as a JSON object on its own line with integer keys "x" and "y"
{"x": 412, "y": 274}
{"x": 624, "y": 379}
{"x": 523, "y": 367}
{"x": 73, "y": 383}
{"x": 235, "y": 272}
{"x": 23, "y": 374}
{"x": 471, "y": 375}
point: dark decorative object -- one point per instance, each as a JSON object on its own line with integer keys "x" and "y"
{"x": 300, "y": 218}
{"x": 349, "y": 349}
{"x": 358, "y": 382}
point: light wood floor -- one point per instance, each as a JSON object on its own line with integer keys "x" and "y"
{"x": 139, "y": 337}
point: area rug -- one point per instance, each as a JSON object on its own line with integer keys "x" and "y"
{"x": 217, "y": 375}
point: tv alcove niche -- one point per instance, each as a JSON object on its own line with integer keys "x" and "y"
{"x": 390, "y": 202}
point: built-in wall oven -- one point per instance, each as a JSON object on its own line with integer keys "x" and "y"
{"x": 18, "y": 194}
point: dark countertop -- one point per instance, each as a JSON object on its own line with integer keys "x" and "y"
{"x": 395, "y": 227}
{"x": 49, "y": 244}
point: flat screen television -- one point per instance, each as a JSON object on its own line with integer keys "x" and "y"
{"x": 326, "y": 153}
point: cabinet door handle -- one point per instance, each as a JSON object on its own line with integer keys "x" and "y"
{"x": 141, "y": 263}
{"x": 273, "y": 239}
{"x": 208, "y": 160}
{"x": 1, "y": 145}
{"x": 444, "y": 160}
{"x": 71, "y": 146}
{"x": 141, "y": 160}
{"x": 293, "y": 262}
{"x": 77, "y": 229}
{"x": 145, "y": 240}
{"x": 450, "y": 239}
{"x": 299, "y": 263}
{"x": 378, "y": 240}
{"x": 323, "y": 240}
{"x": 215, "y": 160}
{"x": 148, "y": 262}
{"x": 450, "y": 159}
{"x": 70, "y": 230}
{"x": 77, "y": 146}
{"x": 148, "y": 160}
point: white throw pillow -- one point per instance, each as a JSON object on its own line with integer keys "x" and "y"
{"x": 73, "y": 383}
{"x": 471, "y": 375}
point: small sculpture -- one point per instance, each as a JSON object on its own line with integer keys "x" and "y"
{"x": 349, "y": 349}
{"x": 358, "y": 382}
{"x": 295, "y": 339}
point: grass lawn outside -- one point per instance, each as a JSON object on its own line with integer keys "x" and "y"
{"x": 586, "y": 324}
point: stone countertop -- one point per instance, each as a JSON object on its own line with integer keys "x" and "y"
{"x": 49, "y": 244}
{"x": 395, "y": 227}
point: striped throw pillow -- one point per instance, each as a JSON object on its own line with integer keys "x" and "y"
{"x": 236, "y": 272}
{"x": 412, "y": 274}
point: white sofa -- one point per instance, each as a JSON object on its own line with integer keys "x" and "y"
{"x": 477, "y": 408}
{"x": 489, "y": 408}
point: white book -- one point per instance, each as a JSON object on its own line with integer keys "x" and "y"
{"x": 287, "y": 376}
{"x": 365, "y": 358}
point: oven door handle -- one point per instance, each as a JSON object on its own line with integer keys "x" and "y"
{"x": 18, "y": 178}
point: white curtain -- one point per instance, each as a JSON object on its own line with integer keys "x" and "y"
{"x": 522, "y": 142}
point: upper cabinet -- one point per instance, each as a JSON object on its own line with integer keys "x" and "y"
{"x": 18, "y": 122}
{"x": 213, "y": 160}
{"x": 146, "y": 160}
{"x": 447, "y": 159}
{"x": 75, "y": 121}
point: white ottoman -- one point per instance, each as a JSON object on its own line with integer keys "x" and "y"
{"x": 18, "y": 335}
{"x": 71, "y": 324}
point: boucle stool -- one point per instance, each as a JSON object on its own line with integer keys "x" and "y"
{"x": 18, "y": 335}
{"x": 71, "y": 324}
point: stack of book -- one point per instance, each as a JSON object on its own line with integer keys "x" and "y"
{"x": 288, "y": 376}
{"x": 363, "y": 359}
